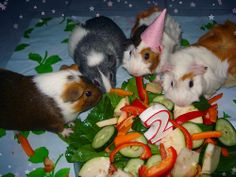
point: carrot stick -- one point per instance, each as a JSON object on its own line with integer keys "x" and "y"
{"x": 121, "y": 92}
{"x": 25, "y": 145}
{"x": 208, "y": 134}
{"x": 224, "y": 152}
{"x": 126, "y": 138}
{"x": 215, "y": 98}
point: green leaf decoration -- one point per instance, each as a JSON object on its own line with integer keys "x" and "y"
{"x": 52, "y": 60}
{"x": 39, "y": 172}
{"x": 43, "y": 68}
{"x": 62, "y": 172}
{"x": 35, "y": 57}
{"x": 21, "y": 47}
{"x": 234, "y": 101}
{"x": 65, "y": 40}
{"x": 39, "y": 155}
{"x": 43, "y": 21}
{"x": 185, "y": 43}
{"x": 225, "y": 115}
{"x": 208, "y": 25}
{"x": 8, "y": 175}
{"x": 28, "y": 32}
{"x": 39, "y": 132}
{"x": 2, "y": 132}
{"x": 70, "y": 25}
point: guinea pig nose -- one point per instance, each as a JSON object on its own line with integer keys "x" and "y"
{"x": 88, "y": 93}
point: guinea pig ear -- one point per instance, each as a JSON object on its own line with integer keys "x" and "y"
{"x": 198, "y": 69}
{"x": 111, "y": 60}
{"x": 72, "y": 93}
{"x": 167, "y": 67}
{"x": 73, "y": 67}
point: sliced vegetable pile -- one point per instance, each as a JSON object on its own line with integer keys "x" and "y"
{"x": 136, "y": 131}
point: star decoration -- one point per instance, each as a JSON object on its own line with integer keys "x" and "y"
{"x": 15, "y": 26}
{"x": 43, "y": 1}
{"x": 180, "y": 2}
{"x": 35, "y": 7}
{"x": 176, "y": 11}
{"x": 21, "y": 16}
{"x": 118, "y": 0}
{"x": 130, "y": 5}
{"x": 42, "y": 13}
{"x": 27, "y": 0}
{"x": 66, "y": 2}
{"x": 97, "y": 15}
{"x": 62, "y": 15}
{"x": 211, "y": 17}
{"x": 91, "y": 8}
{"x": 53, "y": 11}
{"x": 234, "y": 10}
{"x": 192, "y": 4}
{"x": 109, "y": 3}
{"x": 220, "y": 2}
{"x": 2, "y": 6}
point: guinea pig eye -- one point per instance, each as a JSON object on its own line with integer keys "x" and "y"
{"x": 172, "y": 84}
{"x": 190, "y": 83}
{"x": 146, "y": 56}
{"x": 130, "y": 52}
{"x": 88, "y": 93}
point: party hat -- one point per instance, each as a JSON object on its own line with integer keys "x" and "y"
{"x": 152, "y": 36}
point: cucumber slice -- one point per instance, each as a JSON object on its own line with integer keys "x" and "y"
{"x": 228, "y": 137}
{"x": 175, "y": 139}
{"x": 154, "y": 160}
{"x": 134, "y": 151}
{"x": 194, "y": 128}
{"x": 211, "y": 158}
{"x": 98, "y": 166}
{"x": 133, "y": 166}
{"x": 104, "y": 137}
{"x": 164, "y": 101}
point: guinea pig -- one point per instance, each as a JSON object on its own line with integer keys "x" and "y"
{"x": 46, "y": 101}
{"x": 97, "y": 47}
{"x": 140, "y": 58}
{"x": 201, "y": 69}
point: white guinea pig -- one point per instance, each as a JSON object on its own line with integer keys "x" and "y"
{"x": 202, "y": 68}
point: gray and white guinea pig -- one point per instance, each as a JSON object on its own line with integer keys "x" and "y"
{"x": 139, "y": 59}
{"x": 97, "y": 47}
{"x": 202, "y": 68}
{"x": 45, "y": 101}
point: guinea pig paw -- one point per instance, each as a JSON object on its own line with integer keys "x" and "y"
{"x": 71, "y": 124}
{"x": 66, "y": 132}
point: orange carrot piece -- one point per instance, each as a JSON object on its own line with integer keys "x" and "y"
{"x": 224, "y": 152}
{"x": 25, "y": 145}
{"x": 208, "y": 134}
{"x": 121, "y": 92}
{"x": 126, "y": 138}
{"x": 215, "y": 98}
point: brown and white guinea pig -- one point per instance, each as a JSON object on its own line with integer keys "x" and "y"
{"x": 139, "y": 59}
{"x": 202, "y": 68}
{"x": 44, "y": 102}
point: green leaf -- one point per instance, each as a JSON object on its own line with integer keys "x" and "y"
{"x": 225, "y": 115}
{"x": 2, "y": 132}
{"x": 234, "y": 101}
{"x": 8, "y": 175}
{"x": 35, "y": 57}
{"x": 28, "y": 32}
{"x": 39, "y": 172}
{"x": 70, "y": 25}
{"x": 52, "y": 60}
{"x": 185, "y": 42}
{"x": 43, "y": 21}
{"x": 39, "y": 155}
{"x": 43, "y": 68}
{"x": 39, "y": 132}
{"x": 62, "y": 172}
{"x": 202, "y": 104}
{"x": 21, "y": 47}
{"x": 65, "y": 40}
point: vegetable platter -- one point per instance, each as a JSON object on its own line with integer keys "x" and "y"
{"x": 135, "y": 131}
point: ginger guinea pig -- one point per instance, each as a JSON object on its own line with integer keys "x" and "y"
{"x": 46, "y": 101}
{"x": 153, "y": 37}
{"x": 202, "y": 68}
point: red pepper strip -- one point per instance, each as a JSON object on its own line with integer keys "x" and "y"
{"x": 141, "y": 91}
{"x": 163, "y": 168}
{"x": 25, "y": 145}
{"x": 146, "y": 154}
{"x": 215, "y": 98}
{"x": 188, "y": 137}
{"x": 138, "y": 103}
{"x": 163, "y": 151}
{"x": 189, "y": 116}
{"x": 134, "y": 110}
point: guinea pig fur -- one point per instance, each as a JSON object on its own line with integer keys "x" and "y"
{"x": 202, "y": 68}
{"x": 139, "y": 59}
{"x": 97, "y": 47}
{"x": 46, "y": 101}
